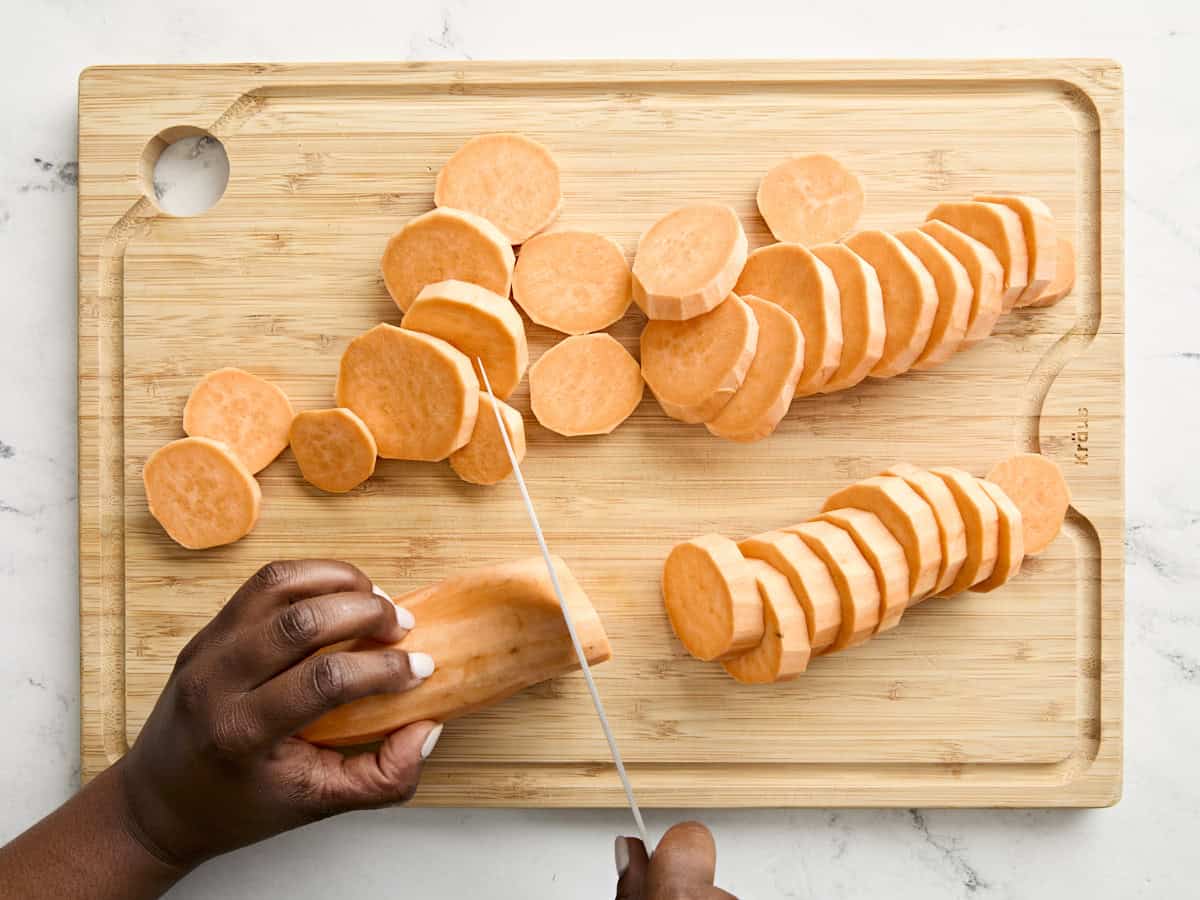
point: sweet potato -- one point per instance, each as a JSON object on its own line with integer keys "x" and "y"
{"x": 954, "y": 295}
{"x": 982, "y": 523}
{"x": 688, "y": 261}
{"x": 1041, "y": 242}
{"x": 201, "y": 493}
{"x": 985, "y": 272}
{"x": 1010, "y": 544}
{"x": 712, "y": 598}
{"x": 248, "y": 414}
{"x": 791, "y": 276}
{"x": 586, "y": 384}
{"x": 483, "y": 459}
{"x": 809, "y": 577}
{"x": 1064, "y": 275}
{"x": 445, "y": 244}
{"x": 572, "y": 281}
{"x": 334, "y": 449}
{"x": 508, "y": 179}
{"x": 952, "y": 532}
{"x": 477, "y": 322}
{"x": 1037, "y": 486}
{"x": 810, "y": 199}
{"x": 864, "y": 329}
{"x": 853, "y": 577}
{"x": 492, "y": 632}
{"x": 417, "y": 394}
{"x": 695, "y": 367}
{"x": 883, "y": 553}
{"x": 1000, "y": 229}
{"x": 909, "y": 299}
{"x": 783, "y": 652}
{"x": 770, "y": 383}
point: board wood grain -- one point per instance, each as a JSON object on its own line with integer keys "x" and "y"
{"x": 1012, "y": 698}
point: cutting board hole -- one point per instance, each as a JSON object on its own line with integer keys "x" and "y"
{"x": 184, "y": 170}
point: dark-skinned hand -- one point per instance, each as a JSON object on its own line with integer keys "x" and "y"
{"x": 216, "y": 766}
{"x": 683, "y": 866}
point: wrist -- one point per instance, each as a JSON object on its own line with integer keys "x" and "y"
{"x": 143, "y": 848}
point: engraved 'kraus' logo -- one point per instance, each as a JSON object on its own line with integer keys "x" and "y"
{"x": 1080, "y": 437}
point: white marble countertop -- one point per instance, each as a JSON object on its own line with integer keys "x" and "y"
{"x": 1142, "y": 848}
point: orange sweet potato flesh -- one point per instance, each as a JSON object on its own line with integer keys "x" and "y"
{"x": 791, "y": 276}
{"x": 712, "y": 598}
{"x": 1041, "y": 241}
{"x": 885, "y": 556}
{"x": 985, "y": 272}
{"x": 509, "y": 179}
{"x": 572, "y": 281}
{"x": 484, "y": 458}
{"x": 248, "y": 414}
{"x": 809, "y": 577}
{"x": 852, "y": 574}
{"x": 1010, "y": 542}
{"x": 688, "y": 261}
{"x": 864, "y": 328}
{"x": 1000, "y": 229}
{"x": 695, "y": 367}
{"x": 586, "y": 384}
{"x": 417, "y": 394}
{"x": 1037, "y": 486}
{"x": 445, "y": 244}
{"x": 1064, "y": 275}
{"x": 493, "y": 632}
{"x": 954, "y": 295}
{"x": 784, "y": 652}
{"x": 770, "y": 383}
{"x": 952, "y": 532}
{"x": 810, "y": 199}
{"x": 201, "y": 493}
{"x": 910, "y": 299}
{"x": 334, "y": 449}
{"x": 982, "y": 523}
{"x": 481, "y": 324}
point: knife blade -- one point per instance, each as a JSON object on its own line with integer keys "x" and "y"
{"x": 617, "y": 759}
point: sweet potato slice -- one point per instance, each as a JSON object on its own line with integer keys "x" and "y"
{"x": 1000, "y": 229}
{"x": 483, "y": 459}
{"x": 908, "y": 517}
{"x": 982, "y": 523}
{"x": 954, "y": 295}
{"x": 985, "y": 272}
{"x": 1010, "y": 545}
{"x": 910, "y": 299}
{"x": 952, "y": 532}
{"x": 809, "y": 577}
{"x": 810, "y": 199}
{"x": 853, "y": 577}
{"x": 586, "y": 384}
{"x": 695, "y": 367}
{"x": 864, "y": 329}
{"x": 791, "y": 276}
{"x": 1041, "y": 241}
{"x": 688, "y": 261}
{"x": 712, "y": 598}
{"x": 477, "y": 322}
{"x": 883, "y": 553}
{"x": 201, "y": 493}
{"x": 1064, "y": 275}
{"x": 417, "y": 393}
{"x": 493, "y": 632}
{"x": 508, "y": 179}
{"x": 334, "y": 449}
{"x": 783, "y": 652}
{"x": 770, "y": 383}
{"x": 1037, "y": 486}
{"x": 572, "y": 281}
{"x": 445, "y": 244}
{"x": 248, "y": 414}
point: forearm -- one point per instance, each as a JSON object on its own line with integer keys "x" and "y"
{"x": 86, "y": 848}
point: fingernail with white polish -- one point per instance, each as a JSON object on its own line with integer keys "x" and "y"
{"x": 379, "y": 592}
{"x": 621, "y": 852}
{"x": 431, "y": 740}
{"x": 405, "y": 618}
{"x": 421, "y": 664}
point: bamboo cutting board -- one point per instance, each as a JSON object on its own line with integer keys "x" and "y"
{"x": 1012, "y": 698}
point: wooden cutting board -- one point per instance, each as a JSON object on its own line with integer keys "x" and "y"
{"x": 1007, "y": 699}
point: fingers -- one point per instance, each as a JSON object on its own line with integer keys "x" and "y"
{"x": 298, "y": 696}
{"x": 383, "y": 778}
{"x": 631, "y": 862}
{"x": 297, "y": 630}
{"x": 286, "y": 581}
{"x": 686, "y": 857}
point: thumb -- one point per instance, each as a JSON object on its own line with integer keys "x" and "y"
{"x": 386, "y": 777}
{"x": 631, "y": 862}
